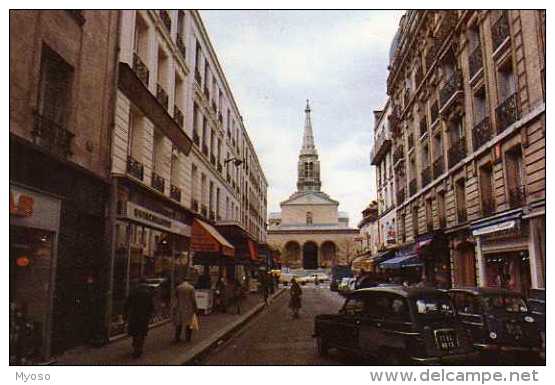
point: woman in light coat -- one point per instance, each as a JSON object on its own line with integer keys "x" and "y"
{"x": 185, "y": 310}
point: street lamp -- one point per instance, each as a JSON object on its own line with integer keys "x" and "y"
{"x": 236, "y": 162}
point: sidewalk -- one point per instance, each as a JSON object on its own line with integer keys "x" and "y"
{"x": 160, "y": 348}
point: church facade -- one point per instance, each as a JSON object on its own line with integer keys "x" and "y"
{"x": 309, "y": 230}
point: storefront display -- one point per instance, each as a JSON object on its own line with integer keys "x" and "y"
{"x": 509, "y": 270}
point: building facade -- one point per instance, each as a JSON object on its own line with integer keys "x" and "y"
{"x": 467, "y": 100}
{"x": 62, "y": 72}
{"x": 309, "y": 231}
{"x": 185, "y": 171}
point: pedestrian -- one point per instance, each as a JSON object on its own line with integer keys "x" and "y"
{"x": 265, "y": 287}
{"x": 220, "y": 292}
{"x": 185, "y": 310}
{"x": 138, "y": 311}
{"x": 237, "y": 293}
{"x": 295, "y": 297}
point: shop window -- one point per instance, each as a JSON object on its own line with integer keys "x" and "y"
{"x": 509, "y": 270}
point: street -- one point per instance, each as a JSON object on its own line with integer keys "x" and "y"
{"x": 274, "y": 338}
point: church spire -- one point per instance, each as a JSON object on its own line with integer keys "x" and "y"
{"x": 308, "y": 147}
{"x": 308, "y": 166}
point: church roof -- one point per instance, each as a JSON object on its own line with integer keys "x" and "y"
{"x": 309, "y": 198}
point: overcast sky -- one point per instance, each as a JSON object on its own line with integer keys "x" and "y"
{"x": 274, "y": 60}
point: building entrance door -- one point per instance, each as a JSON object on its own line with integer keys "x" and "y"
{"x": 310, "y": 256}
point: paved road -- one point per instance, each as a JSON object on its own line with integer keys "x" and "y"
{"x": 274, "y": 338}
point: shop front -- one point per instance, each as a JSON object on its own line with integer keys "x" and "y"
{"x": 34, "y": 228}
{"x": 463, "y": 255}
{"x": 151, "y": 244}
{"x": 433, "y": 251}
{"x": 405, "y": 267}
{"x": 503, "y": 254}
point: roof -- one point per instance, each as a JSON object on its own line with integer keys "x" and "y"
{"x": 309, "y": 198}
{"x": 484, "y": 290}
{"x": 407, "y": 292}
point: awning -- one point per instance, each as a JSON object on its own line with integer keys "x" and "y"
{"x": 362, "y": 263}
{"x": 401, "y": 262}
{"x": 380, "y": 257}
{"x": 205, "y": 238}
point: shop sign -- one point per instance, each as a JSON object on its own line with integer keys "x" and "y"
{"x": 495, "y": 228}
{"x": 20, "y": 204}
{"x": 142, "y": 215}
{"x": 30, "y": 208}
{"x": 391, "y": 234}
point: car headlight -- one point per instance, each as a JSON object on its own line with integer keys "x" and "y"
{"x": 492, "y": 335}
{"x": 529, "y": 319}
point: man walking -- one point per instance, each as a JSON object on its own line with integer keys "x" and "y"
{"x": 138, "y": 310}
{"x": 185, "y": 310}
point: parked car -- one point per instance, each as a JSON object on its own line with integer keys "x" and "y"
{"x": 396, "y": 325}
{"x": 499, "y": 322}
{"x": 346, "y": 286}
{"x": 536, "y": 305}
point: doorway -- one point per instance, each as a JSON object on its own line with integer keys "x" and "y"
{"x": 310, "y": 256}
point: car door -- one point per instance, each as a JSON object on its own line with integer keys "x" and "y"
{"x": 469, "y": 312}
{"x": 371, "y": 322}
{"x": 346, "y": 333}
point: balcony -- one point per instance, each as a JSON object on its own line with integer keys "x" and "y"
{"x": 426, "y": 176}
{"x": 517, "y": 196}
{"x": 450, "y": 89}
{"x": 412, "y": 187}
{"x": 506, "y": 113}
{"x": 488, "y": 207}
{"x": 410, "y": 140}
{"x": 181, "y": 46}
{"x": 158, "y": 183}
{"x": 196, "y": 139}
{"x": 178, "y": 116}
{"x": 166, "y": 20}
{"x": 398, "y": 154}
{"x": 140, "y": 69}
{"x": 457, "y": 152}
{"x": 135, "y": 168}
{"x": 198, "y": 79}
{"x": 475, "y": 61}
{"x": 400, "y": 196}
{"x": 500, "y": 31}
{"x": 194, "y": 205}
{"x": 175, "y": 193}
{"x": 438, "y": 167}
{"x": 51, "y": 136}
{"x": 481, "y": 133}
{"x": 380, "y": 148}
{"x": 205, "y": 149}
{"x": 162, "y": 96}
{"x": 461, "y": 215}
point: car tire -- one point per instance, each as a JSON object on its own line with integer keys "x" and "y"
{"x": 322, "y": 346}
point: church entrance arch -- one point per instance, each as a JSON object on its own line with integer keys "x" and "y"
{"x": 327, "y": 253}
{"x": 292, "y": 253}
{"x": 310, "y": 255}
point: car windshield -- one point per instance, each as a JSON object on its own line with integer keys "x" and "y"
{"x": 505, "y": 302}
{"x": 435, "y": 306}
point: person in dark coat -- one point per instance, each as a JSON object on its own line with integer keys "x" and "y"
{"x": 295, "y": 297}
{"x": 265, "y": 286}
{"x": 138, "y": 311}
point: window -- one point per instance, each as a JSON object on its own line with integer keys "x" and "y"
{"x": 486, "y": 189}
{"x": 136, "y": 134}
{"x": 460, "y": 200}
{"x": 415, "y": 220}
{"x": 429, "y": 218}
{"x": 402, "y": 229}
{"x": 309, "y": 218}
{"x": 55, "y": 88}
{"x": 194, "y": 193}
{"x": 441, "y": 208}
{"x": 515, "y": 177}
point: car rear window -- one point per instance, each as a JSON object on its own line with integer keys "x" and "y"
{"x": 434, "y": 306}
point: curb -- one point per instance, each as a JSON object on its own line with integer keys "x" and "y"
{"x": 209, "y": 343}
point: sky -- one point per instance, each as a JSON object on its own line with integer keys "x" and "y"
{"x": 275, "y": 60}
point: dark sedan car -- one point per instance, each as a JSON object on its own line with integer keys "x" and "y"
{"x": 501, "y": 325}
{"x": 396, "y": 325}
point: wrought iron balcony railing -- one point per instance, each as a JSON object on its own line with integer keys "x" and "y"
{"x": 181, "y": 45}
{"x": 450, "y": 88}
{"x": 506, "y": 113}
{"x": 412, "y": 187}
{"x": 475, "y": 61}
{"x": 178, "y": 116}
{"x": 135, "y": 168}
{"x": 166, "y": 20}
{"x": 158, "y": 182}
{"x": 481, "y": 133}
{"x": 500, "y": 30}
{"x": 438, "y": 167}
{"x": 426, "y": 176}
{"x": 162, "y": 96}
{"x": 140, "y": 69}
{"x": 517, "y": 196}
{"x": 457, "y": 152}
{"x": 52, "y": 136}
{"x": 175, "y": 193}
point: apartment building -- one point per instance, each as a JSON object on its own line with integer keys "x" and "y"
{"x": 467, "y": 100}
{"x": 186, "y": 172}
{"x": 61, "y": 107}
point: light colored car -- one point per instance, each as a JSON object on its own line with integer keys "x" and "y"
{"x": 346, "y": 285}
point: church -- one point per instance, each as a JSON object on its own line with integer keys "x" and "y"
{"x": 309, "y": 230}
